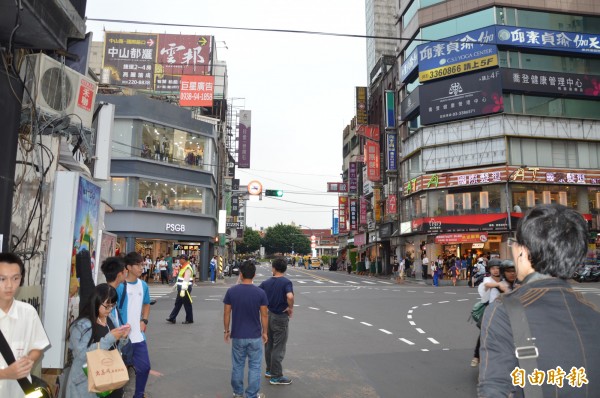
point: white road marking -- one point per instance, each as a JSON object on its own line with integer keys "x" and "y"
{"x": 335, "y": 291}
{"x": 208, "y": 299}
{"x": 313, "y": 308}
{"x": 445, "y": 349}
{"x": 428, "y": 291}
{"x": 441, "y": 302}
{"x": 449, "y": 292}
{"x": 416, "y": 306}
{"x": 434, "y": 341}
{"x": 473, "y": 293}
{"x": 331, "y": 312}
{"x": 385, "y": 283}
{"x": 410, "y": 311}
{"x": 301, "y": 282}
{"x": 320, "y": 282}
{"x": 409, "y": 317}
{"x": 334, "y": 282}
{"x": 369, "y": 282}
{"x": 356, "y": 283}
{"x": 412, "y": 323}
{"x": 420, "y": 330}
{"x": 348, "y": 317}
{"x": 424, "y": 349}
{"x": 462, "y": 300}
{"x": 426, "y": 304}
{"x": 385, "y": 331}
{"x": 296, "y": 305}
{"x": 406, "y": 341}
{"x": 412, "y": 291}
{"x": 366, "y": 324}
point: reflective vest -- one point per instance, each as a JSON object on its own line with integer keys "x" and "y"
{"x": 181, "y": 275}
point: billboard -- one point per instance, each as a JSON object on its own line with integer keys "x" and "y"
{"x": 410, "y": 105}
{"x": 245, "y": 128}
{"x": 461, "y": 97}
{"x": 361, "y": 105}
{"x": 552, "y": 40}
{"x": 130, "y": 58}
{"x": 553, "y": 83}
{"x": 409, "y": 66}
{"x": 458, "y": 54}
{"x": 196, "y": 90}
{"x": 155, "y": 61}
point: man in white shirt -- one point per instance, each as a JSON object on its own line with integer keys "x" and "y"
{"x": 20, "y": 325}
{"x": 135, "y": 312}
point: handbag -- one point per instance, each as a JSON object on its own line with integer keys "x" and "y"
{"x": 477, "y": 312}
{"x": 106, "y": 370}
{"x": 30, "y": 389}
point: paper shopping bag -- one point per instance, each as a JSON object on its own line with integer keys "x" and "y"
{"x": 106, "y": 370}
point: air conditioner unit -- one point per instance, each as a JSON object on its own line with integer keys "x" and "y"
{"x": 58, "y": 90}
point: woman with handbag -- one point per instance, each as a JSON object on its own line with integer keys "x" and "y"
{"x": 93, "y": 328}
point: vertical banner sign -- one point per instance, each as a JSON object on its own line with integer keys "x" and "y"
{"x": 352, "y": 177}
{"x": 130, "y": 58}
{"x": 235, "y": 206}
{"x": 361, "y": 106}
{"x": 244, "y": 139}
{"x": 335, "y": 223}
{"x": 377, "y": 203}
{"x": 372, "y": 158}
{"x": 363, "y": 211}
{"x": 391, "y": 151}
{"x": 343, "y": 211}
{"x": 390, "y": 110}
{"x": 353, "y": 214}
{"x": 391, "y": 204}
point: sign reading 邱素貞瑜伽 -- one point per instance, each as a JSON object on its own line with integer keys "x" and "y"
{"x": 461, "y": 97}
{"x": 458, "y": 54}
{"x": 552, "y": 40}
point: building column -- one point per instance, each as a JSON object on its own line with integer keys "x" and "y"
{"x": 583, "y": 200}
{"x": 129, "y": 244}
{"x": 205, "y": 256}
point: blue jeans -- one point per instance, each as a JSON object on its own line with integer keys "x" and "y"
{"x": 240, "y": 350}
{"x": 141, "y": 364}
{"x": 435, "y": 278}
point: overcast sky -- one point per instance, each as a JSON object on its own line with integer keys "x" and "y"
{"x": 300, "y": 88}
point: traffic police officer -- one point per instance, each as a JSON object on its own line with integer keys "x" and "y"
{"x": 185, "y": 278}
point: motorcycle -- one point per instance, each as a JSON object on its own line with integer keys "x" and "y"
{"x": 587, "y": 273}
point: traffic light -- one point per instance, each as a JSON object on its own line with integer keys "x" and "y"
{"x": 274, "y": 192}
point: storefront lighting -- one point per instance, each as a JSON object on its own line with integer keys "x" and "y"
{"x": 530, "y": 197}
{"x": 562, "y": 198}
{"x": 597, "y": 205}
{"x": 546, "y": 197}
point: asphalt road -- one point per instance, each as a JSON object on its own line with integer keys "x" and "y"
{"x": 351, "y": 336}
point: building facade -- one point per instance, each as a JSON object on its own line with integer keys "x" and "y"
{"x": 498, "y": 116}
{"x": 163, "y": 185}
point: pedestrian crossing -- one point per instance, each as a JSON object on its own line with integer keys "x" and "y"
{"x": 159, "y": 291}
{"x": 586, "y": 290}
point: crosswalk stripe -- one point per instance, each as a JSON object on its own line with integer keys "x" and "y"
{"x": 385, "y": 283}
{"x": 406, "y": 341}
{"x": 369, "y": 282}
{"x": 356, "y": 283}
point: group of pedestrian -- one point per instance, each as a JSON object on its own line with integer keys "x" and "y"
{"x": 256, "y": 320}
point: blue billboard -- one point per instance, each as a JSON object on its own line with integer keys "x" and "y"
{"x": 552, "y": 40}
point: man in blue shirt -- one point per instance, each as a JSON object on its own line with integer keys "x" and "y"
{"x": 246, "y": 309}
{"x": 280, "y": 293}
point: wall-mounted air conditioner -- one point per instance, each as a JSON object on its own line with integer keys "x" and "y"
{"x": 58, "y": 90}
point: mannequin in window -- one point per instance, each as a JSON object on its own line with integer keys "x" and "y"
{"x": 166, "y": 149}
{"x": 149, "y": 199}
{"x": 517, "y": 208}
{"x": 157, "y": 152}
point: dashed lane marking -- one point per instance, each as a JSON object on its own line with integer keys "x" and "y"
{"x": 385, "y": 283}
{"x": 369, "y": 282}
{"x": 410, "y": 311}
{"x": 434, "y": 341}
{"x": 331, "y": 312}
{"x": 366, "y": 324}
{"x": 424, "y": 349}
{"x": 462, "y": 300}
{"x": 441, "y": 302}
{"x": 420, "y": 330}
{"x": 385, "y": 331}
{"x": 313, "y": 308}
{"x": 406, "y": 341}
{"x": 412, "y": 323}
{"x": 409, "y": 317}
{"x": 348, "y": 317}
{"x": 426, "y": 304}
{"x": 356, "y": 283}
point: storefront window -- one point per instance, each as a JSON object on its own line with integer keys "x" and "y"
{"x": 157, "y": 195}
{"x": 161, "y": 144}
{"x": 443, "y": 203}
{"x": 555, "y": 107}
{"x": 525, "y": 197}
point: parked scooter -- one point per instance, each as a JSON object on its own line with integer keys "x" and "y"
{"x": 587, "y": 273}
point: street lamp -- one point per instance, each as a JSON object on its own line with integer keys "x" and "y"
{"x": 312, "y": 240}
{"x": 508, "y": 201}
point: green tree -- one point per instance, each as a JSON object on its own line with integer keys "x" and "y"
{"x": 251, "y": 242}
{"x": 285, "y": 238}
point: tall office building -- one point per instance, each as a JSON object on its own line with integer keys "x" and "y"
{"x": 499, "y": 115}
{"x": 380, "y": 21}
